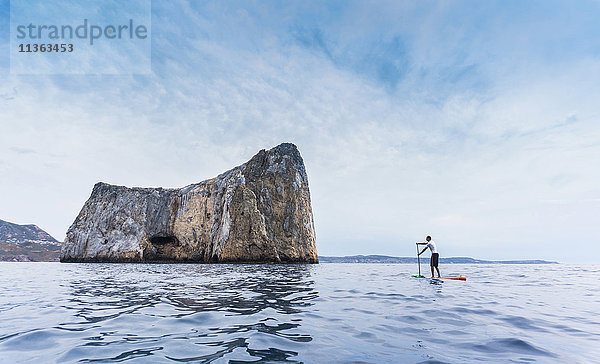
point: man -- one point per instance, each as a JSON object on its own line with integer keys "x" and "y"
{"x": 434, "y": 254}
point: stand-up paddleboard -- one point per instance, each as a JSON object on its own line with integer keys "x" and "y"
{"x": 459, "y": 278}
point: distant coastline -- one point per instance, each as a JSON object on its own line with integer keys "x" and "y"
{"x": 406, "y": 260}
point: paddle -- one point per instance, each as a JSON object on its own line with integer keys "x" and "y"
{"x": 418, "y": 260}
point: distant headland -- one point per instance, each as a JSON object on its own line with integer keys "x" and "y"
{"x": 27, "y": 243}
{"x": 407, "y": 260}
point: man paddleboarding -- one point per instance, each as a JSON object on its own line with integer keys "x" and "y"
{"x": 434, "y": 254}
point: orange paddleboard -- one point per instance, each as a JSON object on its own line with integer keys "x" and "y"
{"x": 459, "y": 278}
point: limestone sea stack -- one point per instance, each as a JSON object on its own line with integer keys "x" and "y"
{"x": 258, "y": 212}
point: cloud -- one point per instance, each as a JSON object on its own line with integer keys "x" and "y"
{"x": 9, "y": 95}
{"x": 454, "y": 120}
{"x": 454, "y": 220}
{"x": 19, "y": 150}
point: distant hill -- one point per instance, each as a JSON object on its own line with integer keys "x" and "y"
{"x": 27, "y": 243}
{"x": 425, "y": 260}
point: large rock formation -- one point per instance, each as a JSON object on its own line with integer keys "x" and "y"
{"x": 258, "y": 212}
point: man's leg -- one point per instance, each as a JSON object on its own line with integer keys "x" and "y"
{"x": 431, "y": 265}
{"x": 434, "y": 263}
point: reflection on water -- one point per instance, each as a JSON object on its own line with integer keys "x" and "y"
{"x": 173, "y": 297}
{"x": 238, "y": 289}
{"x": 362, "y": 313}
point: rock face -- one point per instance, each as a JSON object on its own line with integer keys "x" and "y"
{"x": 258, "y": 212}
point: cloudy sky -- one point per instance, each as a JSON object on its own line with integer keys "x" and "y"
{"x": 476, "y": 122}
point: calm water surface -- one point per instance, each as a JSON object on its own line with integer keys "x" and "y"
{"x": 360, "y": 313}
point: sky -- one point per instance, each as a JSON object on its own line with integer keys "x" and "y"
{"x": 475, "y": 122}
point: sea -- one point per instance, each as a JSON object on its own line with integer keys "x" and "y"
{"x": 324, "y": 313}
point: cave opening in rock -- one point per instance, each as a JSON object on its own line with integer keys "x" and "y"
{"x": 164, "y": 240}
{"x": 163, "y": 247}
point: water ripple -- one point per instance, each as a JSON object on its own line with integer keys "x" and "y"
{"x": 351, "y": 313}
